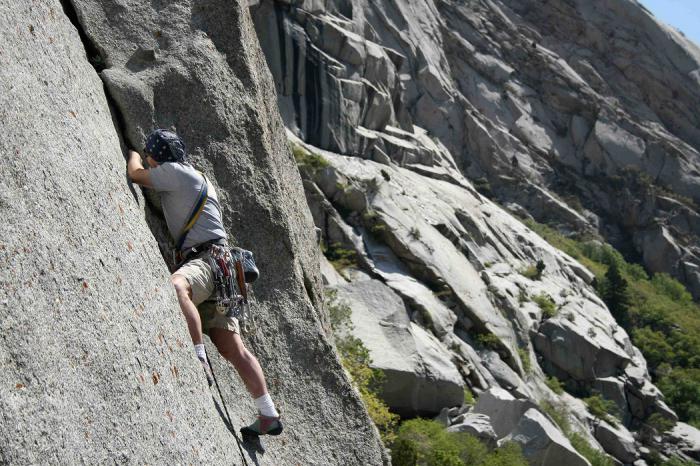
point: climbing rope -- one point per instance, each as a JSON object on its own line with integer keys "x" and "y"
{"x": 228, "y": 416}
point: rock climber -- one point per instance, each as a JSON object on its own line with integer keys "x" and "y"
{"x": 180, "y": 187}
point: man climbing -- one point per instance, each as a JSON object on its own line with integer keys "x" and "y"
{"x": 183, "y": 192}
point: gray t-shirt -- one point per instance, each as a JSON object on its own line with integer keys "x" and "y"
{"x": 179, "y": 186}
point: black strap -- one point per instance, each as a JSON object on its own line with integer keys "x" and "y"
{"x": 201, "y": 247}
{"x": 194, "y": 215}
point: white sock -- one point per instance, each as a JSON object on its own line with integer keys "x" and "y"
{"x": 266, "y": 406}
{"x": 199, "y": 349}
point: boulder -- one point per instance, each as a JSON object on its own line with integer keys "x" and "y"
{"x": 444, "y": 417}
{"x": 692, "y": 273}
{"x": 617, "y": 441}
{"x": 661, "y": 253}
{"x": 506, "y": 377}
{"x": 478, "y": 425}
{"x": 613, "y": 389}
{"x": 542, "y": 443}
{"x": 645, "y": 399}
{"x": 420, "y": 377}
{"x": 581, "y": 351}
{"x": 503, "y": 410}
{"x": 687, "y": 438}
{"x": 622, "y": 148}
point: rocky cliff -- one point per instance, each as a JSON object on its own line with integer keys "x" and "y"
{"x": 412, "y": 117}
{"x": 580, "y": 113}
{"x": 96, "y": 364}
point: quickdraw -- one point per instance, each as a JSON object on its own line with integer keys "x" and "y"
{"x": 230, "y": 289}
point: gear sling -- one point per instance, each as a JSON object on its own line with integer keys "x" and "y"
{"x": 231, "y": 268}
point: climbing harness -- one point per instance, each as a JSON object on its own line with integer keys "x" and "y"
{"x": 233, "y": 269}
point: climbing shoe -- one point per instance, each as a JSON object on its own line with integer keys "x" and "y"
{"x": 207, "y": 370}
{"x": 263, "y": 425}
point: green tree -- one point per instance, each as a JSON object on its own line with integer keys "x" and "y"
{"x": 616, "y": 294}
{"x": 682, "y": 390}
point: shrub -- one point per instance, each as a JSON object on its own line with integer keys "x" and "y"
{"x": 595, "y": 457}
{"x": 356, "y": 360}
{"x": 510, "y": 454}
{"x": 338, "y": 312}
{"x": 340, "y": 257}
{"x": 555, "y": 385}
{"x": 678, "y": 462}
{"x": 682, "y": 390}
{"x": 534, "y": 272}
{"x": 546, "y": 304}
{"x": 654, "y": 345}
{"x": 414, "y": 233}
{"x": 468, "y": 397}
{"x": 525, "y": 360}
{"x": 373, "y": 222}
{"x": 377, "y": 229}
{"x": 530, "y": 272}
{"x": 489, "y": 340}
{"x": 483, "y": 186}
{"x": 522, "y": 297}
{"x": 427, "y": 443}
{"x": 370, "y": 216}
{"x": 672, "y": 288}
{"x": 558, "y": 414}
{"x": 602, "y": 408}
{"x": 305, "y": 158}
{"x": 660, "y": 423}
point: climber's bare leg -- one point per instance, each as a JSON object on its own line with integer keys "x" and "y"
{"x": 231, "y": 347}
{"x": 183, "y": 290}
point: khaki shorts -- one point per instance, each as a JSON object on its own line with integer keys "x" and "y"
{"x": 198, "y": 274}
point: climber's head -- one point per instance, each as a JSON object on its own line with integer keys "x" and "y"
{"x": 165, "y": 146}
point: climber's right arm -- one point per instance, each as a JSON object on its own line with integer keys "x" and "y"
{"x": 135, "y": 170}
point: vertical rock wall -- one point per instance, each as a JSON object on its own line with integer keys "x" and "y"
{"x": 96, "y": 364}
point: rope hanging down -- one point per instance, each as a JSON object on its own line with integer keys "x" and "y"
{"x": 228, "y": 416}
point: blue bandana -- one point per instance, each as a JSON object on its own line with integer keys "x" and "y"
{"x": 165, "y": 146}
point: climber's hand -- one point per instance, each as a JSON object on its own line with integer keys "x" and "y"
{"x": 135, "y": 170}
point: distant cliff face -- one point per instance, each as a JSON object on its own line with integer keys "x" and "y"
{"x": 580, "y": 112}
{"x": 95, "y": 361}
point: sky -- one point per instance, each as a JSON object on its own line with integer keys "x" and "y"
{"x": 681, "y": 14}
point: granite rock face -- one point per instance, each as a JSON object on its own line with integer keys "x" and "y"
{"x": 95, "y": 358}
{"x": 583, "y": 115}
{"x": 449, "y": 254}
{"x": 452, "y": 262}
{"x": 576, "y": 114}
{"x": 420, "y": 377}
